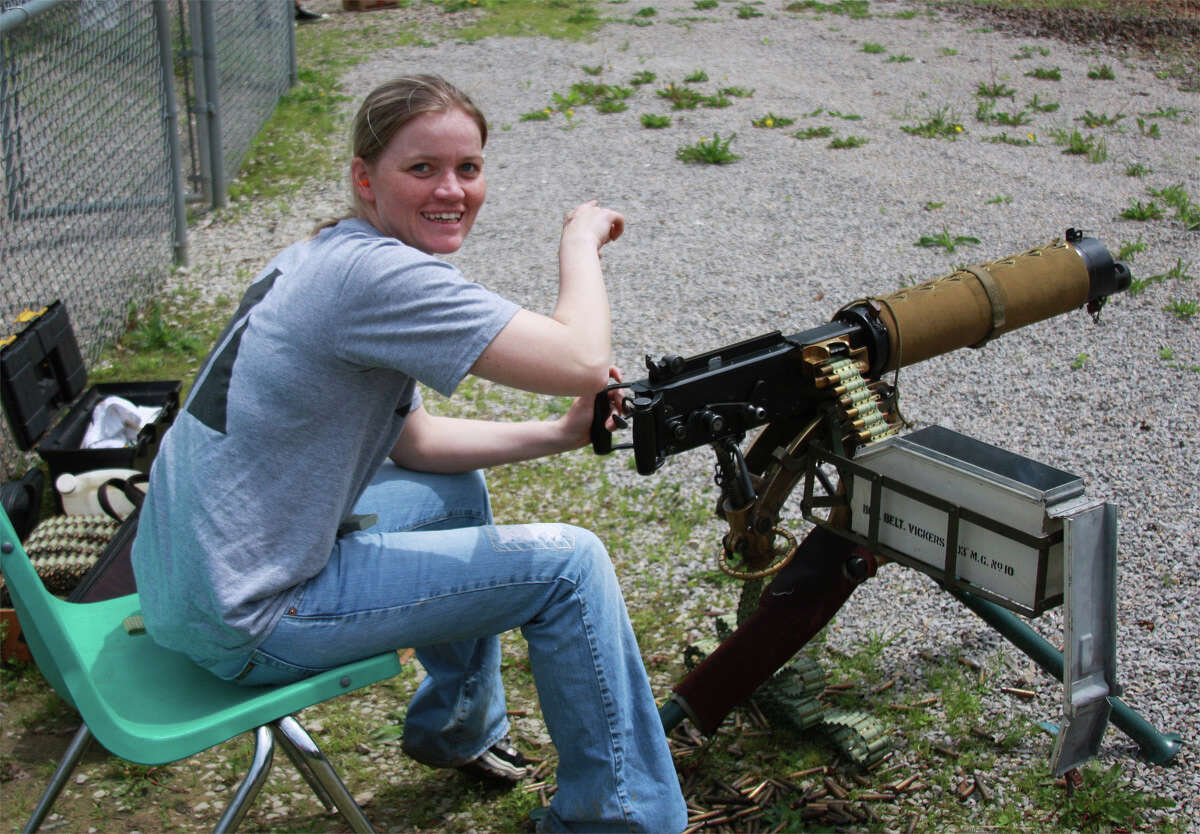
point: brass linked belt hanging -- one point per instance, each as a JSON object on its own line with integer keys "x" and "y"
{"x": 858, "y": 402}
{"x": 861, "y": 413}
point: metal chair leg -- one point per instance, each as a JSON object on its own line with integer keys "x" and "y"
{"x": 301, "y": 764}
{"x": 260, "y": 767}
{"x": 75, "y": 750}
{"x": 325, "y": 774}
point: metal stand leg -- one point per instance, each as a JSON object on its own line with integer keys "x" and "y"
{"x": 301, "y": 764}
{"x": 671, "y": 715}
{"x": 260, "y": 767}
{"x": 324, "y": 773}
{"x": 75, "y": 750}
{"x": 1156, "y": 747}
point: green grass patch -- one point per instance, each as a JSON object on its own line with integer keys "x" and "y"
{"x": 1045, "y": 74}
{"x": 1077, "y": 144}
{"x": 940, "y": 124}
{"x": 986, "y": 112}
{"x": 1027, "y": 52}
{"x": 1179, "y": 272}
{"x": 1170, "y": 113}
{"x": 713, "y": 151}
{"x": 837, "y": 114}
{"x": 681, "y": 98}
{"x": 1094, "y": 120}
{"x": 1150, "y": 130}
{"x": 292, "y": 147}
{"x": 1128, "y": 249}
{"x": 611, "y": 106}
{"x": 945, "y": 240}
{"x": 528, "y": 18}
{"x": 771, "y": 120}
{"x": 845, "y": 142}
{"x": 1040, "y": 106}
{"x": 1183, "y": 309}
{"x": 1103, "y": 800}
{"x": 166, "y": 338}
{"x": 995, "y": 89}
{"x": 855, "y": 9}
{"x": 1142, "y": 211}
{"x": 821, "y": 132}
{"x": 1186, "y": 212}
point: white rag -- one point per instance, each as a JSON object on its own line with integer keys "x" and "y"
{"x": 116, "y": 423}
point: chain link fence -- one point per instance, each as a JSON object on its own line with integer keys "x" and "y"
{"x": 113, "y": 115}
{"x": 245, "y": 52}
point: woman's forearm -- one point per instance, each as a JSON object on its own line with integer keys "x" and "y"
{"x": 583, "y": 300}
{"x": 437, "y": 443}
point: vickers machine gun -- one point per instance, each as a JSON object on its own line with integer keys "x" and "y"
{"x": 1000, "y": 532}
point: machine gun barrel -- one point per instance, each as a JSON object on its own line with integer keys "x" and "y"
{"x": 978, "y": 303}
{"x": 722, "y": 393}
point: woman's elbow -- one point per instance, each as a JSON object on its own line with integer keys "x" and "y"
{"x": 592, "y": 375}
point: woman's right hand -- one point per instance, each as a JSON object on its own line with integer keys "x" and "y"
{"x": 589, "y": 221}
{"x": 569, "y": 351}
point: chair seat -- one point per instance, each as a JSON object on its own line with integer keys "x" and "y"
{"x": 153, "y": 705}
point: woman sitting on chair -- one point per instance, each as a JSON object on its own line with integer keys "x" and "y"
{"x": 305, "y": 510}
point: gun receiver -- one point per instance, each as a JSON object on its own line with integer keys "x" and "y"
{"x": 719, "y": 395}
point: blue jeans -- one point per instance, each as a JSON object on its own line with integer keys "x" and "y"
{"x": 436, "y": 575}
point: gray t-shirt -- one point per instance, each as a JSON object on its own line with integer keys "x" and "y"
{"x": 300, "y": 402}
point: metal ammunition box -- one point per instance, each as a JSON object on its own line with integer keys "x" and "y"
{"x": 968, "y": 513}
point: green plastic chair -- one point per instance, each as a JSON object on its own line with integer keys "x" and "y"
{"x": 152, "y": 706}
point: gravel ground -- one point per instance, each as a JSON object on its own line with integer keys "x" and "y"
{"x": 785, "y": 235}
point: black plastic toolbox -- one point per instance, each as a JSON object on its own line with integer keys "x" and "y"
{"x": 43, "y": 373}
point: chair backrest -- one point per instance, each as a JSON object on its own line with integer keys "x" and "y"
{"x": 38, "y": 612}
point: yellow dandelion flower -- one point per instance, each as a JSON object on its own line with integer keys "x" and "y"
{"x": 958, "y": 128}
{"x": 770, "y": 123}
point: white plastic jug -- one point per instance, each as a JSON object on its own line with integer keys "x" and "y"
{"x": 78, "y": 492}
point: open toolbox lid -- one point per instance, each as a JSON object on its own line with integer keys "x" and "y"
{"x": 44, "y": 375}
{"x": 43, "y": 372}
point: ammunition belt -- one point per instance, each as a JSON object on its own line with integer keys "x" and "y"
{"x": 858, "y": 401}
{"x": 858, "y": 735}
{"x": 791, "y": 697}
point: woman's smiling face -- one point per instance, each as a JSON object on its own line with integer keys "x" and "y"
{"x": 427, "y": 186}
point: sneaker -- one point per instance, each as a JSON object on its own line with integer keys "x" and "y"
{"x": 501, "y": 762}
{"x": 303, "y": 15}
